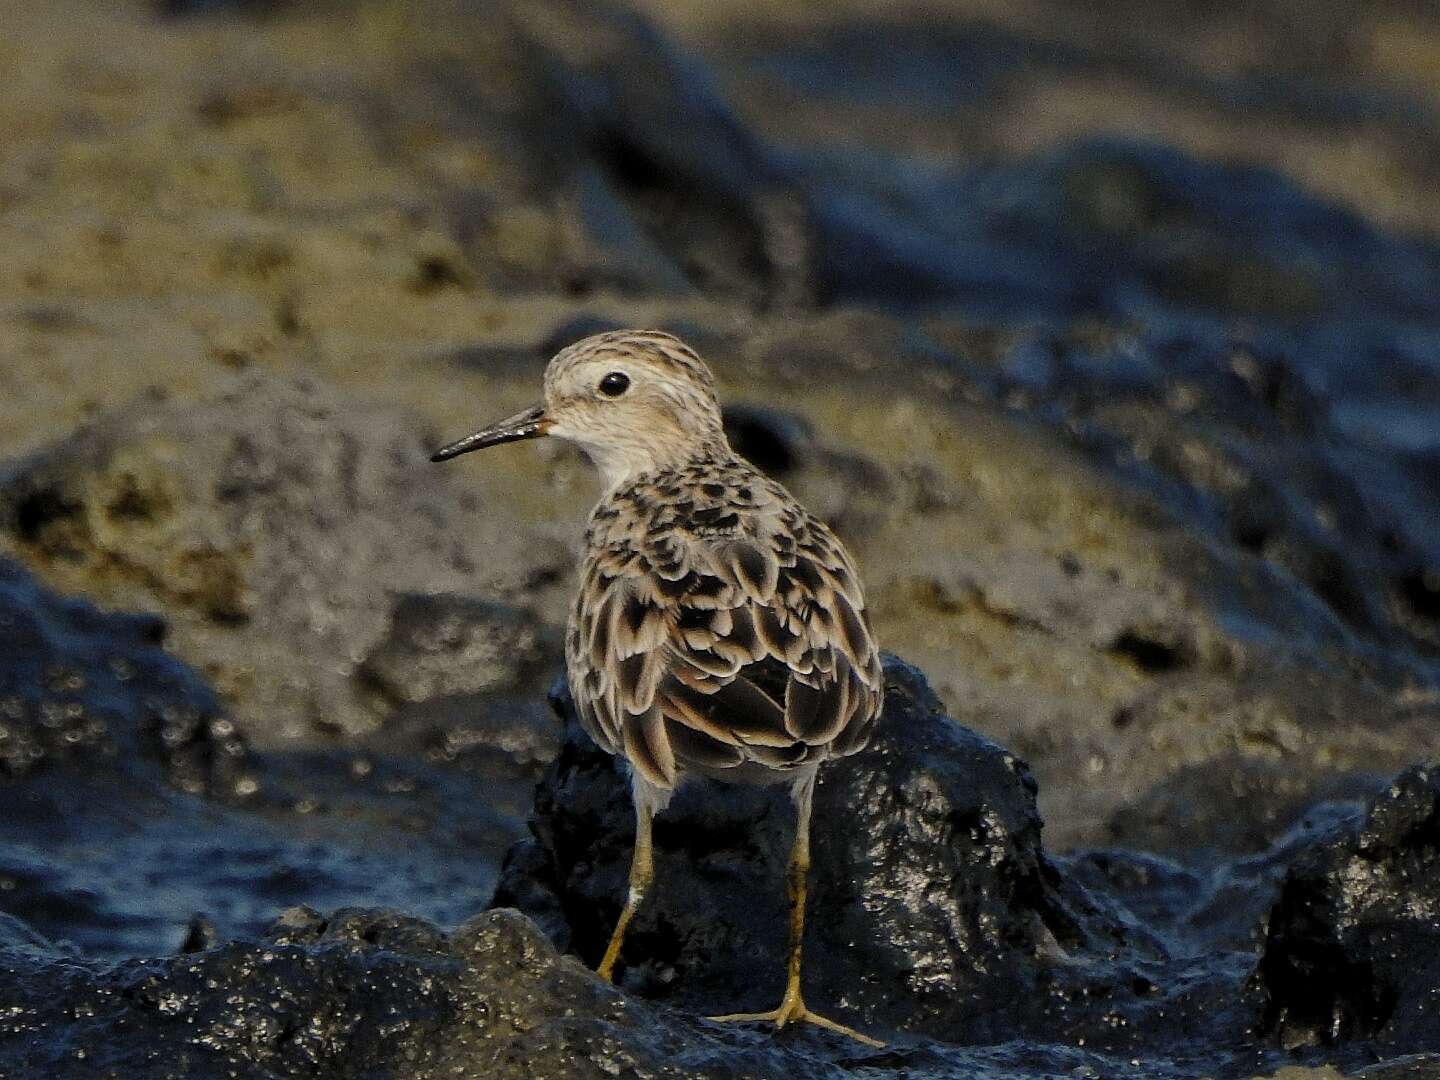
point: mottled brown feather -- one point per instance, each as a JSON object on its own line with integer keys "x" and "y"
{"x": 648, "y": 747}
{"x": 724, "y": 629}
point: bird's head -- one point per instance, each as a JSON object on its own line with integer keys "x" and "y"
{"x": 633, "y": 400}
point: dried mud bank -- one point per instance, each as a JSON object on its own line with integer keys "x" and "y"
{"x": 1110, "y": 352}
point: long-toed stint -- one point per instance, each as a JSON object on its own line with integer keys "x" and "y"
{"x": 719, "y": 629}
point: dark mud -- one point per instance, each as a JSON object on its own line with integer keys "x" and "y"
{"x": 1109, "y": 345}
{"x": 138, "y": 817}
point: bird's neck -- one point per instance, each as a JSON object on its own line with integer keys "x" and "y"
{"x": 618, "y": 465}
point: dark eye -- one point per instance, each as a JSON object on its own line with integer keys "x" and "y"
{"x": 615, "y": 384}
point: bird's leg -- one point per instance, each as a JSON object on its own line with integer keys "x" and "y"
{"x": 642, "y": 872}
{"x": 792, "y": 1005}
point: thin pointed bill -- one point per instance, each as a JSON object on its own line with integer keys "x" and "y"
{"x": 530, "y": 424}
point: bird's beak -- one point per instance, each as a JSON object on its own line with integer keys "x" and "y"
{"x": 530, "y": 424}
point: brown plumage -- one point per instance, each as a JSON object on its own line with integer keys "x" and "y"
{"x": 719, "y": 628}
{"x": 699, "y": 641}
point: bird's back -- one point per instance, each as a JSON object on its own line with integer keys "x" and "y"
{"x": 719, "y": 628}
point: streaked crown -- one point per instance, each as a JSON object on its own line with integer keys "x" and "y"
{"x": 634, "y": 400}
{"x": 664, "y": 353}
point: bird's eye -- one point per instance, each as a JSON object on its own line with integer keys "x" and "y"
{"x": 615, "y": 384}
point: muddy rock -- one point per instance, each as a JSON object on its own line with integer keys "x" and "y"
{"x": 274, "y": 527}
{"x": 443, "y": 646}
{"x": 136, "y": 819}
{"x": 1352, "y": 949}
{"x": 1292, "y": 656}
{"x": 461, "y": 683}
{"x": 366, "y": 992}
{"x": 363, "y": 993}
{"x": 94, "y": 692}
{"x": 672, "y": 188}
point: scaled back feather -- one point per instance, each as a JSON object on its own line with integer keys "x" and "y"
{"x": 719, "y": 623}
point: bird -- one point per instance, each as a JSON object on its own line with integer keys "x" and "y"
{"x": 719, "y": 628}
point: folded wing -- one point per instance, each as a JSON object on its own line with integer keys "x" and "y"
{"x": 727, "y": 651}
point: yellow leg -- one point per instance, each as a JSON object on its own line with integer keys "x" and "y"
{"x": 792, "y": 1005}
{"x": 642, "y": 872}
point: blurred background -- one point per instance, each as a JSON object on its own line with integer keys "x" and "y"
{"x": 1105, "y": 334}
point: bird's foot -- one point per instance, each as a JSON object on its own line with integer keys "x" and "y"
{"x": 793, "y": 1010}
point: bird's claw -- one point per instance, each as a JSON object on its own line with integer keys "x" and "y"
{"x": 793, "y": 1010}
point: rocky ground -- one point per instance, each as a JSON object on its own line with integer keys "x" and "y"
{"x": 1108, "y": 344}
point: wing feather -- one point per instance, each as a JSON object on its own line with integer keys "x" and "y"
{"x": 694, "y": 745}
{"x": 750, "y": 566}
{"x": 647, "y": 745}
{"x": 736, "y": 711}
{"x": 708, "y": 648}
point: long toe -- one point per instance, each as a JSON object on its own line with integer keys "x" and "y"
{"x": 830, "y": 1025}
{"x": 791, "y": 1012}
